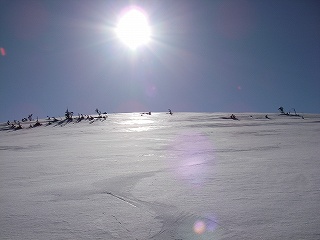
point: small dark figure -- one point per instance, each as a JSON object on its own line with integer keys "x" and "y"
{"x": 281, "y": 110}
{"x": 295, "y": 113}
{"x": 146, "y": 113}
{"x": 30, "y": 117}
{"x": 8, "y": 123}
{"x": 170, "y": 112}
{"x": 267, "y": 117}
{"x": 98, "y": 112}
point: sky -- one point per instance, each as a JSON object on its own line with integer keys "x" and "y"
{"x": 204, "y": 56}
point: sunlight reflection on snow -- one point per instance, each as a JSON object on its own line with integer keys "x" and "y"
{"x": 137, "y": 123}
{"x": 138, "y": 129}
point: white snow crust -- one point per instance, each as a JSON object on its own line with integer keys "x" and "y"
{"x": 185, "y": 176}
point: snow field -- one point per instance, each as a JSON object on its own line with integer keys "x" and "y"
{"x": 185, "y": 176}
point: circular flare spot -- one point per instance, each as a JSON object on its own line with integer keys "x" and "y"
{"x": 2, "y": 51}
{"x": 199, "y": 227}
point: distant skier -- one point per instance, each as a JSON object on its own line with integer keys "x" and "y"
{"x": 170, "y": 112}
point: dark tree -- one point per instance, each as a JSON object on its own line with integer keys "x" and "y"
{"x": 68, "y": 114}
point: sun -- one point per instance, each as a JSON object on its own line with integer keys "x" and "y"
{"x": 133, "y": 28}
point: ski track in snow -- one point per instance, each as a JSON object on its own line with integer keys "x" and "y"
{"x": 185, "y": 176}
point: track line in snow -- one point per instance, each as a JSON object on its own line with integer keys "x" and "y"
{"x": 121, "y": 198}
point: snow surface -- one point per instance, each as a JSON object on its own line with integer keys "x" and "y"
{"x": 185, "y": 176}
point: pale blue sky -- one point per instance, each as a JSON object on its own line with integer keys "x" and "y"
{"x": 205, "y": 56}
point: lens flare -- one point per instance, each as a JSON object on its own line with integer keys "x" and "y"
{"x": 211, "y": 224}
{"x": 191, "y": 153}
{"x": 199, "y": 227}
{"x": 2, "y": 51}
{"x": 151, "y": 90}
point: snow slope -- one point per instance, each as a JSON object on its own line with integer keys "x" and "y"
{"x": 185, "y": 176}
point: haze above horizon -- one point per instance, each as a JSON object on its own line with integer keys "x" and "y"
{"x": 217, "y": 56}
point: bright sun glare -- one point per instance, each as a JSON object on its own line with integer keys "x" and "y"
{"x": 133, "y": 28}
